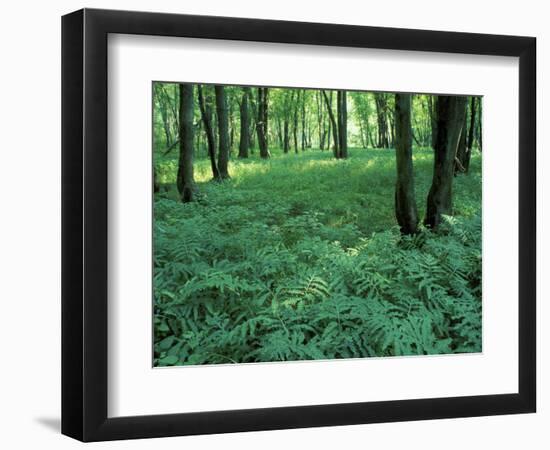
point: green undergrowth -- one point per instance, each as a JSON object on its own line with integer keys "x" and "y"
{"x": 299, "y": 257}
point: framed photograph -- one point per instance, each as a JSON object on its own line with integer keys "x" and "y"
{"x": 273, "y": 225}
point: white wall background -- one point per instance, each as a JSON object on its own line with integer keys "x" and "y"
{"x": 30, "y": 226}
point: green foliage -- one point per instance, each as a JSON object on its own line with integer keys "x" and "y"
{"x": 290, "y": 260}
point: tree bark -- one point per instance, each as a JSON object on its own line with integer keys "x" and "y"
{"x": 460, "y": 156}
{"x": 303, "y": 114}
{"x": 381, "y": 115}
{"x": 432, "y": 108}
{"x": 223, "y": 132}
{"x": 261, "y": 123}
{"x": 342, "y": 124}
{"x": 334, "y": 125}
{"x": 405, "y": 198}
{"x": 244, "y": 142}
{"x": 185, "y": 180}
{"x": 206, "y": 114}
{"x": 470, "y": 144}
{"x": 450, "y": 121}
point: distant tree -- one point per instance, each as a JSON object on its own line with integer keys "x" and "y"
{"x": 223, "y": 132}
{"x": 206, "y": 115}
{"x": 381, "y": 116}
{"x": 450, "y": 124}
{"x": 322, "y": 132}
{"x": 185, "y": 179}
{"x": 244, "y": 143}
{"x": 163, "y": 108}
{"x": 405, "y": 198}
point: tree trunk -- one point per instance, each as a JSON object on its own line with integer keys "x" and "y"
{"x": 479, "y": 126}
{"x": 286, "y": 137}
{"x": 470, "y": 144}
{"x": 432, "y": 108}
{"x": 303, "y": 107}
{"x": 261, "y": 123}
{"x": 161, "y": 101}
{"x": 223, "y": 132}
{"x": 381, "y": 114}
{"x": 185, "y": 180}
{"x": 460, "y": 156}
{"x": 342, "y": 111}
{"x": 244, "y": 142}
{"x": 405, "y": 199}
{"x": 450, "y": 121}
{"x": 334, "y": 125}
{"x": 206, "y": 114}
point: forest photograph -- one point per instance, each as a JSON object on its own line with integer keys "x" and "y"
{"x": 314, "y": 224}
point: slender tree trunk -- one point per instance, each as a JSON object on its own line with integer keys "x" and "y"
{"x": 432, "y": 108}
{"x": 231, "y": 127}
{"x": 206, "y": 114}
{"x": 391, "y": 144}
{"x": 244, "y": 142}
{"x": 335, "y": 136}
{"x": 223, "y": 132}
{"x": 185, "y": 180}
{"x": 280, "y": 132}
{"x": 320, "y": 130}
{"x": 461, "y": 149}
{"x": 405, "y": 198}
{"x": 295, "y": 119}
{"x": 471, "y": 129}
{"x": 303, "y": 107}
{"x": 342, "y": 111}
{"x": 450, "y": 122}
{"x": 286, "y": 137}
{"x": 161, "y": 101}
{"x": 479, "y": 125}
{"x": 261, "y": 123}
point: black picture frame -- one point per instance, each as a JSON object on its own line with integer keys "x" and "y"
{"x": 84, "y": 224}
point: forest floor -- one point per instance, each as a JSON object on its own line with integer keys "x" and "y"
{"x": 299, "y": 257}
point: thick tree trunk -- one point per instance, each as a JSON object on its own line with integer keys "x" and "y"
{"x": 450, "y": 121}
{"x": 206, "y": 114}
{"x": 405, "y": 199}
{"x": 223, "y": 132}
{"x": 185, "y": 180}
{"x": 333, "y": 123}
{"x": 244, "y": 142}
